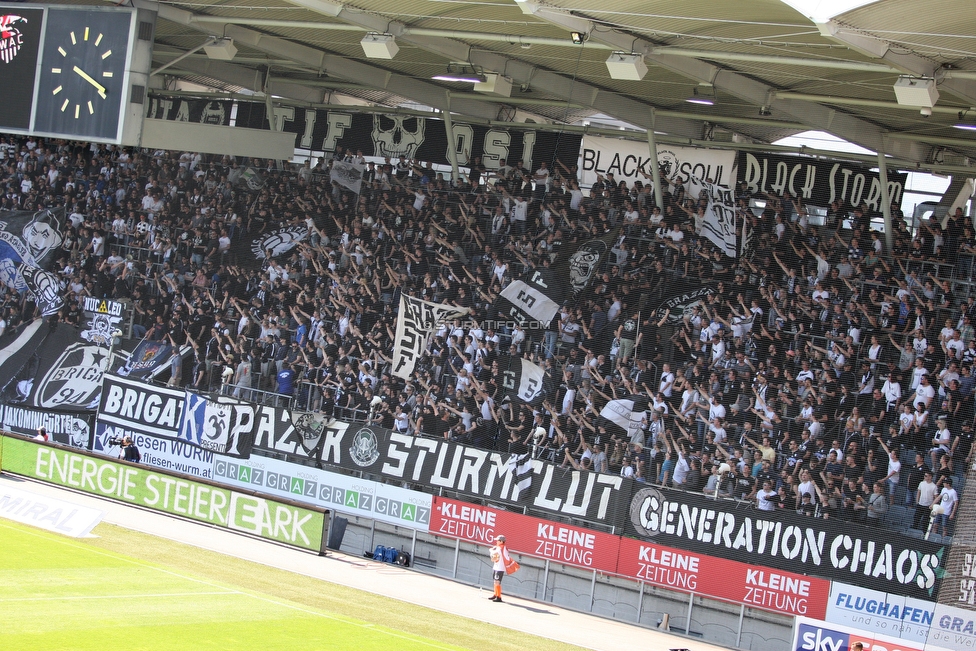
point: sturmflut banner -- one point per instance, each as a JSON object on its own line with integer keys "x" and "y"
{"x": 416, "y": 321}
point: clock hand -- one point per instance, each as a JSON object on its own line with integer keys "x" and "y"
{"x": 84, "y": 75}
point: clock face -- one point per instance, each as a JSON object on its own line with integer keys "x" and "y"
{"x": 82, "y": 84}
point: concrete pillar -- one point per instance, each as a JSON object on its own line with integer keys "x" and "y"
{"x": 655, "y": 169}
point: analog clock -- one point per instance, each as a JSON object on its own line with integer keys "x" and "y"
{"x": 82, "y": 86}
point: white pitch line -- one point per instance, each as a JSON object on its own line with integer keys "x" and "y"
{"x": 119, "y": 596}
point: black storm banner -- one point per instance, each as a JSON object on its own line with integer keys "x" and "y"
{"x": 413, "y": 137}
{"x": 832, "y": 549}
{"x": 818, "y": 182}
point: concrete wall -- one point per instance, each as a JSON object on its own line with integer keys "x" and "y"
{"x": 609, "y": 596}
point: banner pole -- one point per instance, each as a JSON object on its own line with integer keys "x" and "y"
{"x": 885, "y": 199}
{"x": 451, "y": 142}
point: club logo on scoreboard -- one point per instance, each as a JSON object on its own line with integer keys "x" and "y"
{"x": 11, "y": 38}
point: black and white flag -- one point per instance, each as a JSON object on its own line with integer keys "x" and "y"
{"x": 102, "y": 318}
{"x": 348, "y": 175}
{"x": 719, "y": 226}
{"x": 622, "y": 417}
{"x": 416, "y": 321}
{"x": 522, "y": 379}
{"x": 521, "y": 467}
{"x": 536, "y": 297}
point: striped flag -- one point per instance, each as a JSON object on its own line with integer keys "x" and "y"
{"x": 521, "y": 466}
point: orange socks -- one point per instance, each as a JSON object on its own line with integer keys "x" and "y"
{"x": 498, "y": 591}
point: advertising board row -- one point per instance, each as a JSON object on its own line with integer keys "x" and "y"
{"x": 221, "y": 507}
{"x": 311, "y": 445}
{"x": 951, "y": 630}
{"x": 833, "y": 615}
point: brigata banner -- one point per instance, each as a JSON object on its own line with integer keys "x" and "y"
{"x": 561, "y": 543}
{"x": 629, "y": 160}
{"x": 741, "y": 583}
{"x": 141, "y": 407}
{"x": 291, "y": 525}
{"x": 841, "y": 551}
{"x": 816, "y": 181}
{"x": 880, "y": 613}
{"x": 339, "y": 493}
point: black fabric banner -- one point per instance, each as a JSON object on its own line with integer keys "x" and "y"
{"x": 447, "y": 465}
{"x": 178, "y": 109}
{"x": 66, "y": 429}
{"x": 415, "y": 137}
{"x": 818, "y": 182}
{"x": 833, "y": 549}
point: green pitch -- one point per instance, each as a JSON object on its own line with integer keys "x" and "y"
{"x": 126, "y": 590}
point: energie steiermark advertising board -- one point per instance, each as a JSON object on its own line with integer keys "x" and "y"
{"x": 221, "y": 507}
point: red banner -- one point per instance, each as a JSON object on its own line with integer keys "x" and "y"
{"x": 708, "y": 576}
{"x": 557, "y": 542}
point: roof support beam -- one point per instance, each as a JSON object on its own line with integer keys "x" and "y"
{"x": 814, "y": 115}
{"x": 575, "y": 92}
{"x": 909, "y": 63}
{"x": 336, "y": 66}
{"x": 253, "y": 80}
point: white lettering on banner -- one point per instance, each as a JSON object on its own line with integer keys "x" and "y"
{"x": 457, "y": 467}
{"x": 813, "y": 180}
{"x": 667, "y": 558}
{"x": 662, "y": 575}
{"x": 775, "y": 600}
{"x": 470, "y": 514}
{"x": 652, "y": 514}
{"x": 566, "y": 535}
{"x": 821, "y": 640}
{"x": 155, "y": 410}
{"x": 627, "y": 159}
{"x": 774, "y": 581}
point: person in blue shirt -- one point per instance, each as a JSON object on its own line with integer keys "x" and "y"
{"x": 286, "y": 379}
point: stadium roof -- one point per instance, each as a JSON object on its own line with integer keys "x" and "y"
{"x": 770, "y": 68}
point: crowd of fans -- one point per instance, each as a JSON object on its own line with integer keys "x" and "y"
{"x": 821, "y": 364}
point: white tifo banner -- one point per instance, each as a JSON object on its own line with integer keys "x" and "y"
{"x": 625, "y": 159}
